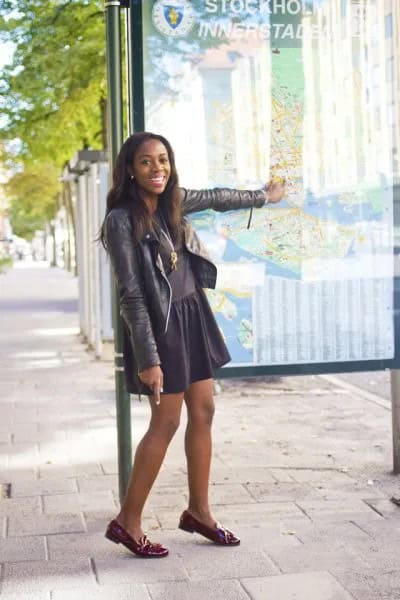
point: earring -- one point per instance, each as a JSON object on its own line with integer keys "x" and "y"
{"x": 132, "y": 177}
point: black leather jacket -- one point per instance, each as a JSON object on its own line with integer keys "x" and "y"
{"x": 144, "y": 290}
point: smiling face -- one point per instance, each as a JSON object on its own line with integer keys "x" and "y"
{"x": 151, "y": 167}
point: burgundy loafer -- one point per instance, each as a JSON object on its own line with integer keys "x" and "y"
{"x": 143, "y": 547}
{"x": 220, "y": 535}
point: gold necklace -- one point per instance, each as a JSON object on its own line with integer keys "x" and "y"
{"x": 173, "y": 258}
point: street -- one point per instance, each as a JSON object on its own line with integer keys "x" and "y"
{"x": 301, "y": 472}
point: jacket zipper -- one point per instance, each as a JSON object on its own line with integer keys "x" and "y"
{"x": 170, "y": 301}
{"x": 170, "y": 296}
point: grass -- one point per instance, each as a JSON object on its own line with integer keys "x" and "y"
{"x": 5, "y": 263}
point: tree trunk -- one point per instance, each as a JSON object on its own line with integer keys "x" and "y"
{"x": 71, "y": 218}
{"x": 104, "y": 128}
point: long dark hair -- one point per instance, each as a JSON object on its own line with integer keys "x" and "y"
{"x": 124, "y": 191}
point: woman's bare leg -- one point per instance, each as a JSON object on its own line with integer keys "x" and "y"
{"x": 149, "y": 455}
{"x": 198, "y": 448}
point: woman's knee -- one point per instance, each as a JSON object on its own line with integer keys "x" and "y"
{"x": 165, "y": 425}
{"x": 202, "y": 413}
{"x": 165, "y": 417}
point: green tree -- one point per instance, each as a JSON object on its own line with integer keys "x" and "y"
{"x": 34, "y": 194}
{"x": 55, "y": 88}
{"x": 53, "y": 97}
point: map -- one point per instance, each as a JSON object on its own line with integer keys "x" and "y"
{"x": 311, "y": 280}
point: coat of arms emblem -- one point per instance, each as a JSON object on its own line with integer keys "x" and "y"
{"x": 173, "y": 15}
{"x": 173, "y": 18}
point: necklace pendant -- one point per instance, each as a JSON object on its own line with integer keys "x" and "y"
{"x": 174, "y": 261}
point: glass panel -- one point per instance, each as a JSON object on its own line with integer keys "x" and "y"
{"x": 389, "y": 26}
{"x": 243, "y": 94}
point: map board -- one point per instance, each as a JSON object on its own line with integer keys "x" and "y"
{"x": 244, "y": 92}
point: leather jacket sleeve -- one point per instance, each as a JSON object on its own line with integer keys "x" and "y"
{"x": 125, "y": 261}
{"x": 221, "y": 199}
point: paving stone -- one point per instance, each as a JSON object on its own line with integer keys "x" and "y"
{"x": 221, "y": 475}
{"x": 384, "y": 553}
{"x": 41, "y": 487}
{"x": 281, "y": 492}
{"x": 319, "y": 508}
{"x": 198, "y": 590}
{"x": 67, "y": 471}
{"x": 106, "y": 592}
{"x": 3, "y": 526}
{"x": 386, "y": 508}
{"x": 4, "y": 462}
{"x": 46, "y": 575}
{"x": 45, "y": 524}
{"x": 230, "y": 493}
{"x": 348, "y": 493}
{"x": 23, "y": 428}
{"x": 370, "y": 584}
{"x": 246, "y": 460}
{"x": 11, "y": 476}
{"x": 22, "y": 549}
{"x": 266, "y": 538}
{"x": 281, "y": 475}
{"x": 27, "y": 596}
{"x": 317, "y": 585}
{"x": 128, "y": 568}
{"x": 260, "y": 513}
{"x": 166, "y": 518}
{"x": 55, "y": 453}
{"x": 168, "y": 497}
{"x": 23, "y": 415}
{"x": 55, "y": 469}
{"x": 173, "y": 477}
{"x": 5, "y": 437}
{"x": 56, "y": 435}
{"x": 109, "y": 467}
{"x": 252, "y": 514}
{"x": 316, "y": 475}
{"x": 325, "y": 532}
{"x": 380, "y": 529}
{"x": 240, "y": 475}
{"x": 262, "y": 539}
{"x": 317, "y": 555}
{"x": 20, "y": 507}
{"x": 87, "y": 501}
{"x": 22, "y": 456}
{"x": 79, "y": 469}
{"x": 22, "y": 449}
{"x": 208, "y": 561}
{"x": 98, "y": 483}
{"x": 73, "y": 545}
{"x": 96, "y": 522}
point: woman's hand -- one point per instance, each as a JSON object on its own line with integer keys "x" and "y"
{"x": 154, "y": 379}
{"x": 275, "y": 189}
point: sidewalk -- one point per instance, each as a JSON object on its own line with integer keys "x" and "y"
{"x": 301, "y": 472}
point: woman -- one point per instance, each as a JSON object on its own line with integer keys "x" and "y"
{"x": 172, "y": 343}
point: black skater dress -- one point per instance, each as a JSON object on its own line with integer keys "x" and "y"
{"x": 192, "y": 347}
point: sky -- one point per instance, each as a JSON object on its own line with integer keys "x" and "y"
{"x": 6, "y": 50}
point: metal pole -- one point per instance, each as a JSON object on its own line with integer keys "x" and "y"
{"x": 135, "y": 81}
{"x": 395, "y": 385}
{"x": 115, "y": 134}
{"x": 128, "y": 68}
